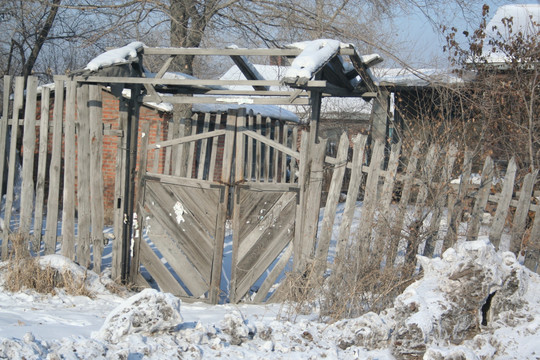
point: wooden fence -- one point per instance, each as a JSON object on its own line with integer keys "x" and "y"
{"x": 408, "y": 201}
{"x": 61, "y": 189}
{"x": 411, "y": 205}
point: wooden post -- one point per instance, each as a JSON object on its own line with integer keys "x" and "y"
{"x": 522, "y": 211}
{"x": 379, "y": 115}
{"x": 481, "y": 200}
{"x": 42, "y": 166}
{"x": 51, "y": 230}
{"x": 3, "y": 130}
{"x": 68, "y": 209}
{"x": 29, "y": 147}
{"x": 119, "y": 190}
{"x": 129, "y": 179}
{"x": 332, "y": 202}
{"x": 505, "y": 197}
{"x": 96, "y": 169}
{"x": 17, "y": 105}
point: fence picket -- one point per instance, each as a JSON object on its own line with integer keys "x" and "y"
{"x": 505, "y": 197}
{"x": 522, "y": 211}
{"x": 480, "y": 200}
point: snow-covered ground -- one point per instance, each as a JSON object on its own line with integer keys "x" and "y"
{"x": 438, "y": 317}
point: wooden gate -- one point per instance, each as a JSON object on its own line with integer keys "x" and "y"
{"x": 240, "y": 169}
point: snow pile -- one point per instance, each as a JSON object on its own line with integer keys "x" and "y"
{"x": 473, "y": 303}
{"x": 314, "y": 55}
{"x": 149, "y": 312}
{"x": 115, "y": 56}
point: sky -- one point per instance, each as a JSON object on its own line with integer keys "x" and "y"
{"x": 425, "y": 44}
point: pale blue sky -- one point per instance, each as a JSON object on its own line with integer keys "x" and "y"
{"x": 424, "y": 45}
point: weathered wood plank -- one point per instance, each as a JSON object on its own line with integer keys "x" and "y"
{"x": 250, "y": 126}
{"x": 359, "y": 145}
{"x": 55, "y": 170}
{"x": 3, "y": 139}
{"x": 522, "y": 211}
{"x": 96, "y": 169}
{"x": 187, "y": 139}
{"x": 42, "y": 166}
{"x": 454, "y": 211}
{"x": 299, "y": 251}
{"x": 258, "y": 147}
{"x": 313, "y": 199}
{"x": 382, "y": 232}
{"x": 169, "y": 249}
{"x": 284, "y": 137}
{"x": 331, "y": 203}
{"x": 171, "y": 134}
{"x": 159, "y": 272}
{"x": 119, "y": 189}
{"x": 267, "y": 151}
{"x": 271, "y": 278}
{"x": 204, "y": 145}
{"x": 481, "y": 200}
{"x": 68, "y": 208}
{"x": 276, "y": 156}
{"x": 370, "y": 198}
{"x": 214, "y": 141}
{"x": 29, "y": 146}
{"x": 441, "y": 196}
{"x": 408, "y": 182}
{"x": 497, "y": 226}
{"x": 157, "y": 153}
{"x": 293, "y": 166}
{"x": 83, "y": 175}
{"x": 17, "y": 106}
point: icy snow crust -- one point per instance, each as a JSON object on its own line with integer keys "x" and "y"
{"x": 437, "y": 317}
{"x": 116, "y": 56}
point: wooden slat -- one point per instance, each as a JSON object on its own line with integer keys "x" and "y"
{"x": 313, "y": 199}
{"x": 179, "y": 150}
{"x": 96, "y": 169}
{"x": 175, "y": 180}
{"x": 119, "y": 189}
{"x": 455, "y": 210}
{"x": 214, "y": 141}
{"x": 497, "y": 226}
{"x": 187, "y": 139}
{"x": 159, "y": 272}
{"x": 157, "y": 152}
{"x": 284, "y": 137}
{"x": 300, "y": 253}
{"x": 55, "y": 170}
{"x": 29, "y": 146}
{"x": 522, "y": 212}
{"x": 275, "y": 165}
{"x": 294, "y": 161}
{"x": 171, "y": 133}
{"x": 258, "y": 147}
{"x": 382, "y": 232}
{"x": 334, "y": 192}
{"x": 170, "y": 250}
{"x": 3, "y": 137}
{"x": 435, "y": 222}
{"x": 190, "y": 160}
{"x": 359, "y": 145}
{"x": 267, "y": 150}
{"x": 204, "y": 145}
{"x": 481, "y": 200}
{"x": 370, "y": 198}
{"x": 17, "y": 105}
{"x": 271, "y": 278}
{"x": 83, "y": 175}
{"x": 42, "y": 166}
{"x": 403, "y": 202}
{"x": 249, "y": 165}
{"x": 68, "y": 208}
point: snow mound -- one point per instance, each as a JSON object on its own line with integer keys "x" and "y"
{"x": 115, "y": 56}
{"x": 148, "y": 312}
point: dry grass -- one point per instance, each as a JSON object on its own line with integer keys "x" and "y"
{"x": 354, "y": 288}
{"x": 23, "y": 271}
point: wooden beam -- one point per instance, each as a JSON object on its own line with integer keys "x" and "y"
{"x": 248, "y": 70}
{"x": 229, "y": 52}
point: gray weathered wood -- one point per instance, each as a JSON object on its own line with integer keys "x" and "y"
{"x": 481, "y": 200}
{"x": 68, "y": 208}
{"x": 17, "y": 106}
{"x": 313, "y": 199}
{"x": 96, "y": 169}
{"x": 456, "y": 208}
{"x": 359, "y": 146}
{"x": 55, "y": 170}
{"x": 119, "y": 190}
{"x": 258, "y": 147}
{"x": 271, "y": 278}
{"x": 29, "y": 146}
{"x": 204, "y": 145}
{"x": 83, "y": 176}
{"x": 522, "y": 212}
{"x": 407, "y": 185}
{"x": 331, "y": 203}
{"x": 42, "y": 166}
{"x": 157, "y": 153}
{"x": 172, "y": 132}
{"x": 499, "y": 221}
{"x": 441, "y": 195}
{"x": 3, "y": 134}
{"x": 284, "y": 137}
{"x": 300, "y": 254}
{"x": 370, "y": 198}
{"x": 267, "y": 150}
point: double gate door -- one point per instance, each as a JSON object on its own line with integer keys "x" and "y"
{"x": 232, "y": 179}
